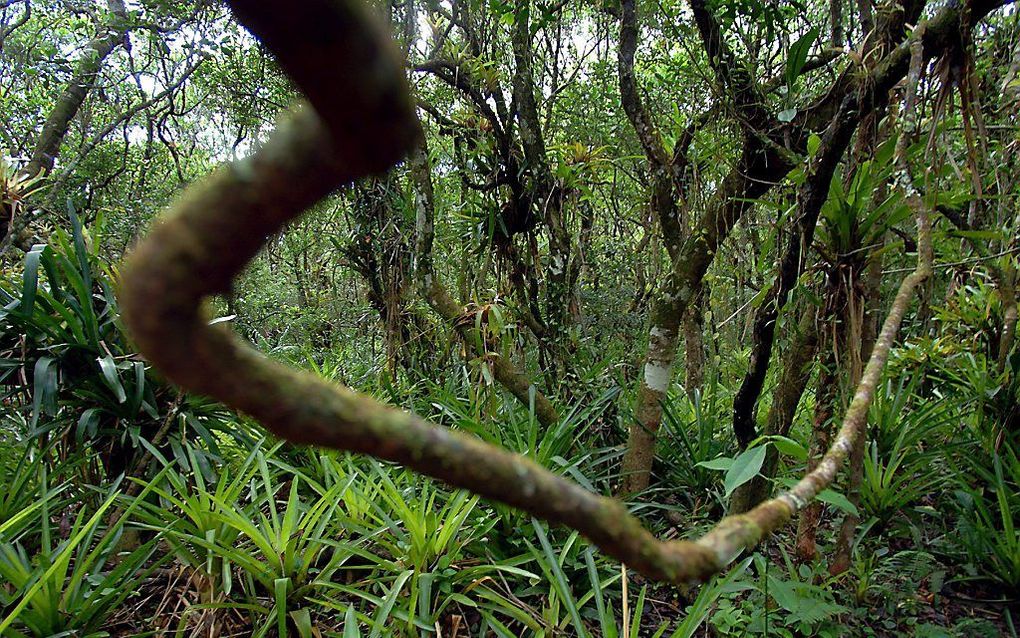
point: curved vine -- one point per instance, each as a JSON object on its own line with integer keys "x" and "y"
{"x": 360, "y": 120}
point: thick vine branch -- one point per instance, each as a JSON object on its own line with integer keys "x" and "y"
{"x": 351, "y": 75}
{"x": 728, "y": 538}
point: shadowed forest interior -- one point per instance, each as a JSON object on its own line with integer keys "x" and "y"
{"x": 452, "y": 318}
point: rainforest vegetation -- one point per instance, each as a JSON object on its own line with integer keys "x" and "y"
{"x": 471, "y": 318}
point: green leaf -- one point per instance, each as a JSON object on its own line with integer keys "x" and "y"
{"x": 813, "y": 142}
{"x": 745, "y": 467}
{"x": 303, "y": 622}
{"x": 783, "y": 592}
{"x": 383, "y": 613}
{"x": 838, "y": 501}
{"x": 88, "y": 424}
{"x": 44, "y": 394}
{"x": 760, "y": 298}
{"x": 720, "y": 464}
{"x": 109, "y": 368}
{"x": 79, "y": 246}
{"x": 351, "y": 624}
{"x": 559, "y": 580}
{"x": 280, "y": 587}
{"x": 639, "y": 612}
{"x": 989, "y": 235}
{"x": 608, "y": 624}
{"x": 789, "y": 447}
{"x": 798, "y": 56}
{"x": 30, "y": 280}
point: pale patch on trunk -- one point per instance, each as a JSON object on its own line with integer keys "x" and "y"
{"x": 657, "y": 376}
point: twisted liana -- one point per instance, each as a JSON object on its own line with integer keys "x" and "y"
{"x": 360, "y": 120}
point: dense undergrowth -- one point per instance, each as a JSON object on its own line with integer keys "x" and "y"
{"x": 132, "y": 510}
{"x": 635, "y": 240}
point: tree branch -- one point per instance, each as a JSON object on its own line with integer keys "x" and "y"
{"x": 438, "y": 297}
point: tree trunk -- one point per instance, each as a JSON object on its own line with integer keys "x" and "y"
{"x": 792, "y": 383}
{"x": 860, "y": 351}
{"x": 821, "y": 434}
{"x": 503, "y": 370}
{"x": 752, "y": 178}
{"x": 47, "y": 146}
{"x": 67, "y": 105}
{"x": 694, "y": 343}
{"x": 658, "y": 373}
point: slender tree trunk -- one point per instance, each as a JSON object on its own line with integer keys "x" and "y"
{"x": 663, "y": 338}
{"x": 842, "y": 329}
{"x": 792, "y": 382}
{"x": 751, "y": 178}
{"x": 836, "y": 23}
{"x": 503, "y": 370}
{"x": 579, "y": 266}
{"x": 832, "y": 343}
{"x": 545, "y": 193}
{"x": 54, "y": 129}
{"x": 821, "y": 434}
{"x": 869, "y": 331}
{"x": 110, "y": 35}
{"x": 694, "y": 343}
{"x": 558, "y": 287}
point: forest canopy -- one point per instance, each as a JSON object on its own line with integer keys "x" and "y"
{"x": 454, "y": 318}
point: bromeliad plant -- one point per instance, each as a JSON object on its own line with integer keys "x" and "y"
{"x": 284, "y": 550}
{"x": 26, "y": 488}
{"x": 988, "y": 511}
{"x": 909, "y": 436}
{"x": 16, "y": 190}
{"x": 582, "y": 600}
{"x": 420, "y": 535}
{"x": 692, "y": 441}
{"x": 184, "y": 509}
{"x": 64, "y": 353}
{"x": 69, "y": 587}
